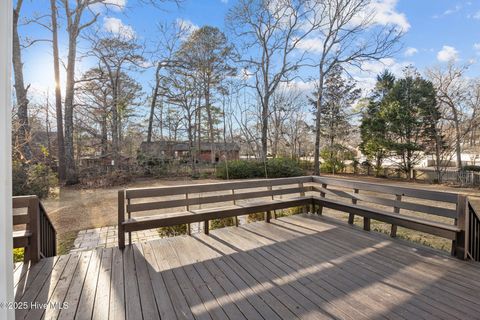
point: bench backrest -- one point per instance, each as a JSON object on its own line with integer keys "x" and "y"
{"x": 167, "y": 197}
{"x": 436, "y": 203}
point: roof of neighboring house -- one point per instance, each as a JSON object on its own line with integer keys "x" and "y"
{"x": 185, "y": 146}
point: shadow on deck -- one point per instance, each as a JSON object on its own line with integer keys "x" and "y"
{"x": 302, "y": 266}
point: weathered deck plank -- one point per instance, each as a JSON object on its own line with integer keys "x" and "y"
{"x": 303, "y": 267}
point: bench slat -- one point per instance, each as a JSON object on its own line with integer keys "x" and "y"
{"x": 438, "y": 211}
{"x": 199, "y": 188}
{"x": 136, "y": 207}
{"x": 143, "y": 223}
{"x": 388, "y": 189}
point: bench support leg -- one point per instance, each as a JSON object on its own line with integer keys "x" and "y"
{"x": 320, "y": 210}
{"x": 366, "y": 224}
{"x": 393, "y": 231}
{"x": 267, "y": 216}
{"x": 236, "y": 221}
{"x": 189, "y": 229}
{"x": 351, "y": 218}
{"x": 206, "y": 226}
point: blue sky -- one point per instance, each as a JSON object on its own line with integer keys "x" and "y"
{"x": 438, "y": 30}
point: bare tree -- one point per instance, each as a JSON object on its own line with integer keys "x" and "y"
{"x": 170, "y": 38}
{"x": 58, "y": 93}
{"x": 458, "y": 102}
{"x": 117, "y": 55}
{"x": 347, "y": 37}
{"x": 271, "y": 30}
{"x": 20, "y": 89}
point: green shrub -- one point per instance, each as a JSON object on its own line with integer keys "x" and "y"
{"x": 32, "y": 179}
{"x": 18, "y": 254}
{"x": 253, "y": 217}
{"x": 222, "y": 223}
{"x": 283, "y": 167}
{"x": 471, "y": 168}
{"x": 239, "y": 169}
{"x": 172, "y": 231}
{"x": 248, "y": 169}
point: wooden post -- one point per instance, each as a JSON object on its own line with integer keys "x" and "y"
{"x": 187, "y": 208}
{"x": 34, "y": 227}
{"x": 268, "y": 214}
{"x": 460, "y": 244}
{"x": 393, "y": 231}
{"x": 302, "y": 194}
{"x": 351, "y": 216}
{"x": 6, "y": 216}
{"x": 235, "y": 203}
{"x": 206, "y": 226}
{"x": 129, "y": 215}
{"x": 322, "y": 194}
{"x": 121, "y": 219}
{"x": 366, "y": 224}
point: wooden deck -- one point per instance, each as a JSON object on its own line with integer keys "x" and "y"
{"x": 302, "y": 266}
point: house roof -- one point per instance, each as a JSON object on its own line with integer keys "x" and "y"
{"x": 185, "y": 146}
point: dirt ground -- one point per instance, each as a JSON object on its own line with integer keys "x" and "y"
{"x": 73, "y": 209}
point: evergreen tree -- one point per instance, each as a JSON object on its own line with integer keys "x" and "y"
{"x": 373, "y": 125}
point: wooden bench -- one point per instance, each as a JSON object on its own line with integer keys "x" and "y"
{"x": 232, "y": 199}
{"x": 386, "y": 203}
{"x": 37, "y": 236}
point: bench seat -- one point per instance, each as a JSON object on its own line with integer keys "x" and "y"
{"x": 419, "y": 224}
{"x": 171, "y": 219}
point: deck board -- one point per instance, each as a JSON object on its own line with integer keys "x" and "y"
{"x": 298, "y": 267}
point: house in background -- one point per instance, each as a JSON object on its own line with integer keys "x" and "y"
{"x": 180, "y": 150}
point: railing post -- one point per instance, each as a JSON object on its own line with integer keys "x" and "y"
{"x": 322, "y": 194}
{"x": 34, "y": 227}
{"x": 460, "y": 244}
{"x": 121, "y": 219}
{"x": 393, "y": 231}
{"x": 187, "y": 208}
{"x": 351, "y": 216}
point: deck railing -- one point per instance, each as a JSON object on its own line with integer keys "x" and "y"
{"x": 38, "y": 237}
{"x": 48, "y": 234}
{"x": 473, "y": 236}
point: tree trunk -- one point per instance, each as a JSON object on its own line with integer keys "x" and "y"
{"x": 210, "y": 123}
{"x": 316, "y": 161}
{"x": 154, "y": 103}
{"x": 458, "y": 138}
{"x": 58, "y": 95}
{"x": 20, "y": 90}
{"x": 266, "y": 101}
{"x": 71, "y": 172}
{"x": 115, "y": 122}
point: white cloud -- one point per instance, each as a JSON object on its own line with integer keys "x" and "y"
{"x": 476, "y": 46}
{"x": 476, "y": 15}
{"x": 384, "y": 13}
{"x": 299, "y": 85}
{"x": 448, "y": 53}
{"x": 410, "y": 51}
{"x": 116, "y": 26}
{"x": 314, "y": 45}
